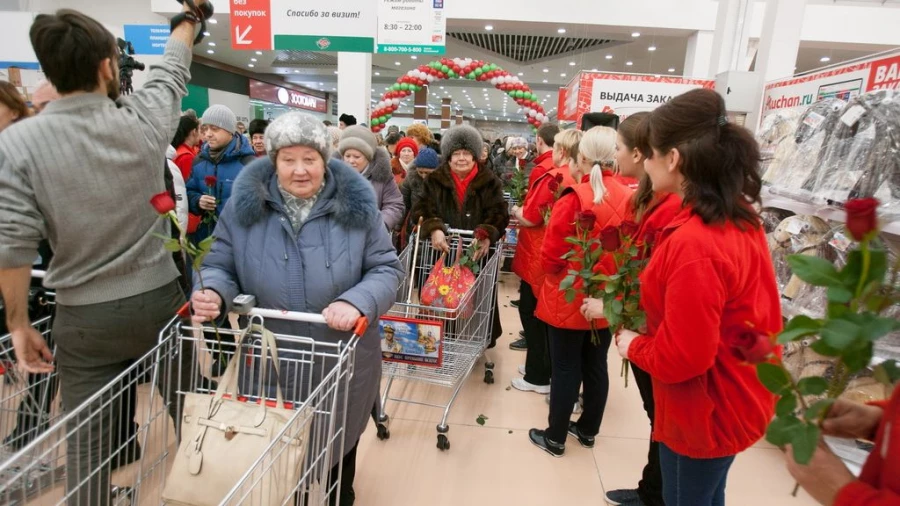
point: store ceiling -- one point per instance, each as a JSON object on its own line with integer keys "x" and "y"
{"x": 544, "y": 55}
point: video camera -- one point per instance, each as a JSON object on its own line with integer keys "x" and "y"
{"x": 127, "y": 66}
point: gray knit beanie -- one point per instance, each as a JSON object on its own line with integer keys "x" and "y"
{"x": 359, "y": 138}
{"x": 222, "y": 117}
{"x": 298, "y": 129}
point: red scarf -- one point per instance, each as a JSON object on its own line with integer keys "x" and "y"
{"x": 463, "y": 184}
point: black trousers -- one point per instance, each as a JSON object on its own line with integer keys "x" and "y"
{"x": 576, "y": 361}
{"x": 537, "y": 358}
{"x": 348, "y": 474}
{"x": 650, "y": 488}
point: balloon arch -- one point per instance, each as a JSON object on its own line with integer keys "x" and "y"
{"x": 460, "y": 68}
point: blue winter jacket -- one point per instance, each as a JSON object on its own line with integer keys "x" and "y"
{"x": 341, "y": 252}
{"x": 238, "y": 153}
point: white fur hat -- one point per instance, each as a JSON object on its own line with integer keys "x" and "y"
{"x": 298, "y": 129}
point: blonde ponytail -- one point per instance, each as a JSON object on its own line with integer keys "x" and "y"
{"x": 599, "y": 144}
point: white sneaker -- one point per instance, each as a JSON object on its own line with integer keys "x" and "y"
{"x": 522, "y": 370}
{"x": 521, "y": 384}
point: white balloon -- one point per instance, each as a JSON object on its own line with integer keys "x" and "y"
{"x": 532, "y": 112}
{"x": 458, "y": 61}
{"x": 495, "y": 80}
{"x": 429, "y": 78}
{"x": 395, "y": 101}
{"x": 411, "y": 73}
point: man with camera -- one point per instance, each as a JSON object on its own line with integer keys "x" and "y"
{"x": 88, "y": 192}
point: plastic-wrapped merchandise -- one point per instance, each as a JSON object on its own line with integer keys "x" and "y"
{"x": 888, "y": 347}
{"x": 772, "y": 217}
{"x": 862, "y": 153}
{"x": 812, "y": 300}
{"x": 797, "y": 157}
{"x": 802, "y": 362}
{"x": 774, "y": 137}
{"x": 796, "y": 235}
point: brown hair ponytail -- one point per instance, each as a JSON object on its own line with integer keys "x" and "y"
{"x": 633, "y": 130}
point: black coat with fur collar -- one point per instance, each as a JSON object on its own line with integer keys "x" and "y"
{"x": 483, "y": 207}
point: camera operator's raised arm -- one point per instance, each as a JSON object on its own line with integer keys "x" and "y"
{"x": 167, "y": 82}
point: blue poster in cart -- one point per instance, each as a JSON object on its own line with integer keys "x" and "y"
{"x": 512, "y": 236}
{"x": 409, "y": 341}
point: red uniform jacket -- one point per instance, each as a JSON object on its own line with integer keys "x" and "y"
{"x": 542, "y": 165}
{"x": 527, "y": 261}
{"x": 701, "y": 280}
{"x": 613, "y": 210}
{"x": 879, "y": 483}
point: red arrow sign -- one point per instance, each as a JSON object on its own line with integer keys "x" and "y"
{"x": 251, "y": 23}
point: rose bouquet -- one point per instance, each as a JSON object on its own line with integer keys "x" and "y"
{"x": 517, "y": 185}
{"x": 586, "y": 253}
{"x": 858, "y": 296}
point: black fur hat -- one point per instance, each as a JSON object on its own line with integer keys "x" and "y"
{"x": 461, "y": 137}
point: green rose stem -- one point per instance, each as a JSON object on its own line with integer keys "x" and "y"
{"x": 197, "y": 254}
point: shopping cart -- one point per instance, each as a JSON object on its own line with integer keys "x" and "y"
{"x": 178, "y": 365}
{"x": 512, "y": 230}
{"x": 464, "y": 332}
{"x": 82, "y": 459}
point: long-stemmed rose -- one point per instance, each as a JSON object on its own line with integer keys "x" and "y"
{"x": 587, "y": 252}
{"x": 857, "y": 297}
{"x": 211, "y": 182}
{"x": 165, "y": 207}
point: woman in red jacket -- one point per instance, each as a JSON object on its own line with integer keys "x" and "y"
{"x": 653, "y": 211}
{"x": 827, "y": 479}
{"x": 185, "y": 142}
{"x": 527, "y": 261}
{"x": 575, "y": 358}
{"x": 710, "y": 274}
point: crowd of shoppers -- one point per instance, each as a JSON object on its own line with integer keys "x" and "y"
{"x": 303, "y": 214}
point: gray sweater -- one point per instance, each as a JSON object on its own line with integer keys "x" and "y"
{"x": 81, "y": 174}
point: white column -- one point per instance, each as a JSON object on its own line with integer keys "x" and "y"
{"x": 355, "y": 85}
{"x": 778, "y": 45}
{"x": 698, "y": 54}
{"x": 732, "y": 36}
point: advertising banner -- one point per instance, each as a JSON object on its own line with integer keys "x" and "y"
{"x": 148, "y": 39}
{"x": 845, "y": 82}
{"x": 411, "y": 26}
{"x": 279, "y": 95}
{"x": 409, "y": 341}
{"x": 624, "y": 94}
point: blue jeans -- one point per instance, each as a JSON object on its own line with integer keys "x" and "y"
{"x": 693, "y": 482}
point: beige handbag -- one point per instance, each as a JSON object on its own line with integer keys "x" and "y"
{"x": 223, "y": 438}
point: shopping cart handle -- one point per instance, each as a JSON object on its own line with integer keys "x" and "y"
{"x": 184, "y": 311}
{"x": 361, "y": 326}
{"x": 245, "y": 305}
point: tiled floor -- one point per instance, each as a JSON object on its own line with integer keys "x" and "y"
{"x": 496, "y": 464}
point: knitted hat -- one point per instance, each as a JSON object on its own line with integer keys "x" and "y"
{"x": 516, "y": 142}
{"x": 222, "y": 117}
{"x": 407, "y": 142}
{"x": 461, "y": 137}
{"x": 347, "y": 119}
{"x": 359, "y": 138}
{"x": 427, "y": 159}
{"x": 297, "y": 129}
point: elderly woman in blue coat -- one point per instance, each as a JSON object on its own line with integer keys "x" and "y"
{"x": 302, "y": 232}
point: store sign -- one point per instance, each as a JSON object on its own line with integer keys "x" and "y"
{"x": 411, "y": 26}
{"x": 278, "y": 95}
{"x": 844, "y": 82}
{"x": 251, "y": 24}
{"x": 338, "y": 25}
{"x": 624, "y": 94}
{"x": 148, "y": 39}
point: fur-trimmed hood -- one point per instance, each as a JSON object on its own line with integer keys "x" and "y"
{"x": 347, "y": 195}
{"x": 380, "y": 167}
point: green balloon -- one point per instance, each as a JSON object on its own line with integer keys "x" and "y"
{"x": 435, "y": 64}
{"x": 375, "y": 121}
{"x": 395, "y": 87}
{"x": 404, "y": 86}
{"x": 519, "y": 94}
{"x": 511, "y": 93}
{"x": 471, "y": 75}
{"x": 494, "y": 66}
{"x": 445, "y": 69}
{"x": 478, "y": 72}
{"x": 388, "y": 116}
{"x": 452, "y": 74}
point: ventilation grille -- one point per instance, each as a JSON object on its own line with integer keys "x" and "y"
{"x": 530, "y": 48}
{"x": 304, "y": 58}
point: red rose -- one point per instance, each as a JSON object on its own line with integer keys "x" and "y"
{"x": 586, "y": 220}
{"x": 482, "y": 234}
{"x": 553, "y": 186}
{"x": 163, "y": 203}
{"x": 210, "y": 181}
{"x": 559, "y": 179}
{"x": 628, "y": 228}
{"x": 749, "y": 345}
{"x": 610, "y": 239}
{"x": 861, "y": 217}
